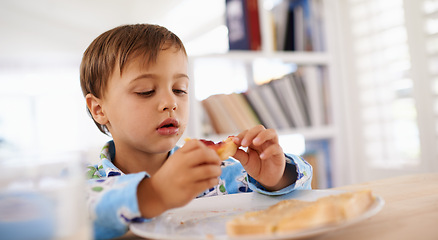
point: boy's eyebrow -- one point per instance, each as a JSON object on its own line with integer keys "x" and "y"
{"x": 142, "y": 76}
{"x": 151, "y": 75}
{"x": 181, "y": 75}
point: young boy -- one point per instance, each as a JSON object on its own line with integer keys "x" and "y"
{"x": 134, "y": 79}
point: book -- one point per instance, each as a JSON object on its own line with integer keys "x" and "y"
{"x": 219, "y": 116}
{"x": 312, "y": 80}
{"x": 255, "y": 38}
{"x": 287, "y": 98}
{"x": 213, "y": 119}
{"x": 308, "y": 25}
{"x": 289, "y": 41}
{"x": 233, "y": 111}
{"x": 237, "y": 23}
{"x": 326, "y": 96}
{"x": 267, "y": 28}
{"x": 280, "y": 17}
{"x": 244, "y": 107}
{"x": 300, "y": 92}
{"x": 273, "y": 106}
{"x": 304, "y": 29}
{"x": 317, "y": 25}
{"x": 299, "y": 31}
{"x": 282, "y": 100}
{"x": 257, "y": 103}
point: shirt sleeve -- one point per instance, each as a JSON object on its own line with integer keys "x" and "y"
{"x": 112, "y": 203}
{"x": 303, "y": 181}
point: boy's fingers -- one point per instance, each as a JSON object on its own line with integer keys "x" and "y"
{"x": 191, "y": 144}
{"x": 199, "y": 153}
{"x": 271, "y": 151}
{"x": 205, "y": 156}
{"x": 241, "y": 156}
{"x": 249, "y": 135}
{"x": 238, "y": 139}
{"x": 188, "y": 146}
{"x": 265, "y": 136}
{"x": 206, "y": 171}
{"x": 201, "y": 186}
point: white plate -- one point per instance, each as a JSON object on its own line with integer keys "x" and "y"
{"x": 205, "y": 218}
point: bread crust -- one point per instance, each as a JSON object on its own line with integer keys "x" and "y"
{"x": 295, "y": 215}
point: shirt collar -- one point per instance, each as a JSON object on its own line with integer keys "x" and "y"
{"x": 107, "y": 155}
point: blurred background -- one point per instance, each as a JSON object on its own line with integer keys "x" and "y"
{"x": 41, "y": 105}
{"x": 385, "y": 54}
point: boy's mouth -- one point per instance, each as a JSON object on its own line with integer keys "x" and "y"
{"x": 169, "y": 126}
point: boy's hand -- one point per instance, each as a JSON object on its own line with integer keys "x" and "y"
{"x": 185, "y": 174}
{"x": 264, "y": 159}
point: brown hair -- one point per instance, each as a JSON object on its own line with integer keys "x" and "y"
{"x": 120, "y": 45}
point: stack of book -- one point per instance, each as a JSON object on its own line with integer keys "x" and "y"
{"x": 291, "y": 25}
{"x": 243, "y": 22}
{"x": 296, "y": 100}
{"x": 230, "y": 113}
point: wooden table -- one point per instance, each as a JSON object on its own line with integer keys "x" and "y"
{"x": 410, "y": 211}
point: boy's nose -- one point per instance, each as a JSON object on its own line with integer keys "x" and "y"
{"x": 170, "y": 107}
{"x": 168, "y": 103}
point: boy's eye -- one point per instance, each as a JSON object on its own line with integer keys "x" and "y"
{"x": 145, "y": 94}
{"x": 179, "y": 91}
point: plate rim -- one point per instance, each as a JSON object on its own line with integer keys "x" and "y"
{"x": 375, "y": 208}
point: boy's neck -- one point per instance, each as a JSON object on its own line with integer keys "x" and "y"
{"x": 134, "y": 163}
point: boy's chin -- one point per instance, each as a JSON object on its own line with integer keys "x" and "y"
{"x": 168, "y": 144}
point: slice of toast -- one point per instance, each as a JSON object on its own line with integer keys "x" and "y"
{"x": 295, "y": 215}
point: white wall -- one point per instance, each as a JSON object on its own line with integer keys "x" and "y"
{"x": 41, "y": 104}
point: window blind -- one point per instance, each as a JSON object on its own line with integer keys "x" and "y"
{"x": 382, "y": 65}
{"x": 430, "y": 13}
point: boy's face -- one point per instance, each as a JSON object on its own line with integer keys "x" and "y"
{"x": 147, "y": 107}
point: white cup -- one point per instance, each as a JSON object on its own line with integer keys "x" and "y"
{"x": 43, "y": 197}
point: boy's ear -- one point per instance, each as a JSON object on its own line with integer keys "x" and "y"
{"x": 94, "y": 104}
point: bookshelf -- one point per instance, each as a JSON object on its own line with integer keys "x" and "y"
{"x": 329, "y": 135}
{"x": 292, "y": 57}
{"x": 248, "y": 57}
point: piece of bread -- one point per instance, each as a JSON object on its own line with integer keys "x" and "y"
{"x": 224, "y": 149}
{"x": 295, "y": 215}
